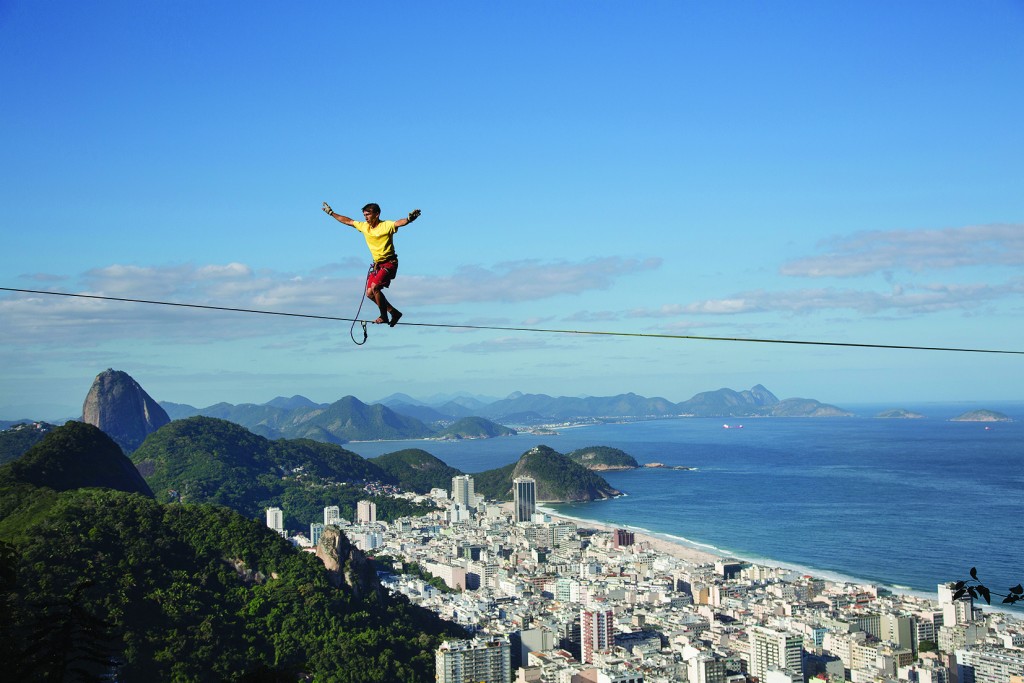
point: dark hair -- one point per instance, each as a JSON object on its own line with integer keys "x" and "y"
{"x": 372, "y": 208}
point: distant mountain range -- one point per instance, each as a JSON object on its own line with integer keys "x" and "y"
{"x": 520, "y": 409}
{"x": 347, "y": 419}
{"x": 402, "y": 417}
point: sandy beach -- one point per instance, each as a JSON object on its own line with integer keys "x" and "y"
{"x": 661, "y": 545}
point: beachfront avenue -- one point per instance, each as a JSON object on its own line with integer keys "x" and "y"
{"x": 561, "y": 598}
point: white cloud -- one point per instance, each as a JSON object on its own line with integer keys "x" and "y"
{"x": 503, "y": 345}
{"x": 914, "y": 250}
{"x": 231, "y": 270}
{"x": 523, "y": 280}
{"x": 45, "y": 319}
{"x": 902, "y": 298}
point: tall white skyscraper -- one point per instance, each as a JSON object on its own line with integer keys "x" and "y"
{"x": 366, "y": 511}
{"x": 524, "y": 492}
{"x": 483, "y": 661}
{"x": 954, "y": 612}
{"x": 275, "y": 519}
{"x": 597, "y": 633}
{"x": 772, "y": 650}
{"x": 462, "y": 491}
{"x": 332, "y": 515}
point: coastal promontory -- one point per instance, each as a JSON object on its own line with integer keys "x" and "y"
{"x": 558, "y": 477}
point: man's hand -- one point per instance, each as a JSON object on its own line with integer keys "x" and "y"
{"x": 413, "y": 215}
{"x": 328, "y": 210}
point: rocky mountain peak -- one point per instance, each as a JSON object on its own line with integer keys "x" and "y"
{"x": 121, "y": 408}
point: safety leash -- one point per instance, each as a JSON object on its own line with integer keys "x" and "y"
{"x": 355, "y": 320}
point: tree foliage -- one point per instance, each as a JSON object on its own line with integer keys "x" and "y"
{"x": 115, "y": 581}
{"x": 105, "y": 581}
{"x": 207, "y": 460}
{"x": 976, "y": 589}
{"x": 417, "y": 470}
{"x": 557, "y": 476}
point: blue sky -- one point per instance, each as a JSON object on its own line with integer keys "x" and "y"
{"x": 842, "y": 172}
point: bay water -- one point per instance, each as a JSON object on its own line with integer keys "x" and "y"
{"x": 901, "y": 503}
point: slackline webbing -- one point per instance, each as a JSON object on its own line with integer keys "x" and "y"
{"x": 652, "y": 335}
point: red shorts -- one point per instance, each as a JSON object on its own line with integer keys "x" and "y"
{"x": 382, "y": 274}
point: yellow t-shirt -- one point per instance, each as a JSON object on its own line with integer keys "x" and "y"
{"x": 378, "y": 238}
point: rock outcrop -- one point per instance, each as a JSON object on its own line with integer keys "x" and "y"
{"x": 346, "y": 564}
{"x": 118, "y": 406}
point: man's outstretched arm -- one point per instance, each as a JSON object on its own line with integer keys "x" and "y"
{"x": 337, "y": 216}
{"x": 413, "y": 215}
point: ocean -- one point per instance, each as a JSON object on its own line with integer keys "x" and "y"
{"x": 901, "y": 503}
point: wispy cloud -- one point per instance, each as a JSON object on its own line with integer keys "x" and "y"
{"x": 914, "y": 251}
{"x": 904, "y": 299}
{"x": 502, "y": 345}
{"x": 593, "y": 316}
{"x": 525, "y": 280}
{"x": 39, "y": 318}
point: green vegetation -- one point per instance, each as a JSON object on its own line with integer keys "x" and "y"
{"x": 558, "y": 478}
{"x": 304, "y": 505}
{"x": 207, "y": 460}
{"x": 97, "y": 580}
{"x": 414, "y": 569}
{"x": 416, "y": 470}
{"x": 475, "y": 428}
{"x": 495, "y": 484}
{"x": 603, "y": 457}
{"x": 74, "y": 456}
{"x": 17, "y": 439}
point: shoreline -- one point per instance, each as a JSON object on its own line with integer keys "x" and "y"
{"x": 665, "y": 546}
{"x": 687, "y": 551}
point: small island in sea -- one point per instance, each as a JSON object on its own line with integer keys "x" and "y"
{"x": 982, "y": 416}
{"x": 899, "y": 414}
{"x": 602, "y": 458}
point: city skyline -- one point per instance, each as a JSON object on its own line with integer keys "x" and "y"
{"x": 844, "y": 174}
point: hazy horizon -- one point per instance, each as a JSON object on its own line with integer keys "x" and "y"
{"x": 53, "y": 413}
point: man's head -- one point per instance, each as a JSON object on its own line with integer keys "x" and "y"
{"x": 371, "y": 212}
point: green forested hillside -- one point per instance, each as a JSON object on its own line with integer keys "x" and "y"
{"x": 100, "y": 581}
{"x": 192, "y": 593}
{"x": 475, "y": 428}
{"x": 558, "y": 478}
{"x": 17, "y": 439}
{"x": 207, "y": 460}
{"x": 417, "y": 470}
{"x": 603, "y": 458}
{"x": 75, "y": 455}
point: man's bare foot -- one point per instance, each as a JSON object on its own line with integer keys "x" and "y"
{"x": 382, "y": 319}
{"x": 395, "y": 315}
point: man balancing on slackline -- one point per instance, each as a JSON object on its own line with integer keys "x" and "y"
{"x": 380, "y": 239}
